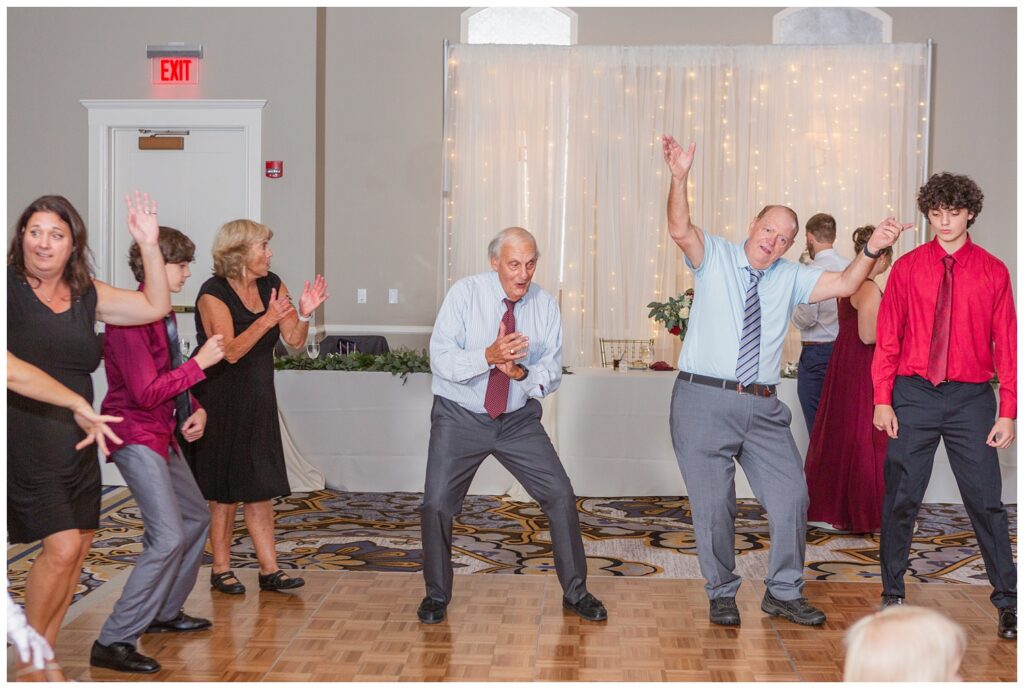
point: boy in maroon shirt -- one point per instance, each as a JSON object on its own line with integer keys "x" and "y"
{"x": 148, "y": 386}
{"x": 946, "y": 325}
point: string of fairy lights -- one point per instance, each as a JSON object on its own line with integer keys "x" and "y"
{"x": 821, "y": 129}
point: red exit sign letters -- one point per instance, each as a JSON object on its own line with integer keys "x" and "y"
{"x": 175, "y": 70}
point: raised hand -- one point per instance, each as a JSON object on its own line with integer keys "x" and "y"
{"x": 279, "y": 307}
{"x": 507, "y": 349}
{"x": 313, "y": 297}
{"x": 678, "y": 160}
{"x": 96, "y": 428}
{"x": 142, "y": 222}
{"x": 886, "y": 233}
{"x": 211, "y": 352}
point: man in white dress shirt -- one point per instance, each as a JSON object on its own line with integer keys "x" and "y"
{"x": 495, "y": 351}
{"x": 818, "y": 323}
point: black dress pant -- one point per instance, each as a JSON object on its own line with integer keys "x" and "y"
{"x": 961, "y": 414}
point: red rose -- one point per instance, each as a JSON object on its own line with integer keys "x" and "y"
{"x": 675, "y": 330}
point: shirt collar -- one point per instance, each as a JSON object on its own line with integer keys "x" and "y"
{"x": 824, "y": 252}
{"x": 961, "y": 255}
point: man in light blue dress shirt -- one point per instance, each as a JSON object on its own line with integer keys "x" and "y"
{"x": 818, "y": 323}
{"x": 724, "y": 404}
{"x": 496, "y": 349}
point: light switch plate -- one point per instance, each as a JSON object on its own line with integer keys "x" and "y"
{"x": 392, "y": 296}
{"x": 360, "y": 296}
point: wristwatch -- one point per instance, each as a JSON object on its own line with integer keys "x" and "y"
{"x": 869, "y": 254}
{"x": 525, "y": 371}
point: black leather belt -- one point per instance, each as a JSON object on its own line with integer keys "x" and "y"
{"x": 753, "y": 389}
{"x": 814, "y": 344}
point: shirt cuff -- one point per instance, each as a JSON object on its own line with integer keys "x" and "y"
{"x": 883, "y": 396}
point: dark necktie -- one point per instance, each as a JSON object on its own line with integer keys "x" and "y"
{"x": 496, "y": 397}
{"x": 182, "y": 401}
{"x": 938, "y": 353}
{"x": 748, "y": 360}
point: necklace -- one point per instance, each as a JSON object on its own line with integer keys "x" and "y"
{"x": 39, "y": 293}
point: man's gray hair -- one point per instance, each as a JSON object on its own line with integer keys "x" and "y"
{"x": 511, "y": 234}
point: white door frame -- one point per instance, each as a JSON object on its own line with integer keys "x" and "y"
{"x": 105, "y": 115}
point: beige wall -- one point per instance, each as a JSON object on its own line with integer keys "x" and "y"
{"x": 56, "y": 57}
{"x": 383, "y": 118}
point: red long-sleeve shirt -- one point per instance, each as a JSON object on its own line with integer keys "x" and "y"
{"x": 142, "y": 386}
{"x": 983, "y": 328}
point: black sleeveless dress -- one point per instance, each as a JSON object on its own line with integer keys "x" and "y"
{"x": 51, "y": 486}
{"x": 240, "y": 457}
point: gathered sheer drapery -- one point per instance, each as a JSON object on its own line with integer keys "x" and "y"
{"x": 566, "y": 142}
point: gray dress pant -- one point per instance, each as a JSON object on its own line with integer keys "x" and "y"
{"x": 710, "y": 427}
{"x": 176, "y": 520}
{"x": 459, "y": 441}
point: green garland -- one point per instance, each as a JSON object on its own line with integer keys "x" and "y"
{"x": 398, "y": 362}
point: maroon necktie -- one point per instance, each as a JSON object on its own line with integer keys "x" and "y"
{"x": 496, "y": 397}
{"x": 938, "y": 353}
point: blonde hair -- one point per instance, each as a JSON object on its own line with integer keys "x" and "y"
{"x": 904, "y": 643}
{"x": 232, "y": 243}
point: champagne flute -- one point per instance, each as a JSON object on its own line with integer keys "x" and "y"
{"x": 312, "y": 345}
{"x": 186, "y": 348}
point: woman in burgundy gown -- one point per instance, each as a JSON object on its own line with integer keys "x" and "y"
{"x": 846, "y": 455}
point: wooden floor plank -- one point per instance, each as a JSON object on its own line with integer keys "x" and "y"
{"x": 362, "y": 626}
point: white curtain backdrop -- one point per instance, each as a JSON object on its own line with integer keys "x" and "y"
{"x": 566, "y": 142}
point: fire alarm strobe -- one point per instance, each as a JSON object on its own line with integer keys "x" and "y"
{"x": 275, "y": 168}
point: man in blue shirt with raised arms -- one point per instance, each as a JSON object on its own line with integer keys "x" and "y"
{"x": 495, "y": 351}
{"x": 724, "y": 402}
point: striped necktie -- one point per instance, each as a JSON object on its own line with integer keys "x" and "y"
{"x": 750, "y": 339}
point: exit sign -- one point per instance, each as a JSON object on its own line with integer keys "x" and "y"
{"x": 175, "y": 70}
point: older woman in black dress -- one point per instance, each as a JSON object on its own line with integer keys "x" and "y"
{"x": 53, "y": 303}
{"x": 240, "y": 458}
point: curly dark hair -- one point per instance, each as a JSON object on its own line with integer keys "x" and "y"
{"x": 78, "y": 270}
{"x": 860, "y": 240}
{"x": 174, "y": 245}
{"x": 946, "y": 190}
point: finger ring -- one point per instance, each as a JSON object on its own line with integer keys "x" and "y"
{"x": 150, "y": 212}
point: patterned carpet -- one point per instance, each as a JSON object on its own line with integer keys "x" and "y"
{"x": 643, "y": 536}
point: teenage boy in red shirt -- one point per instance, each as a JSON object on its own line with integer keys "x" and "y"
{"x": 946, "y": 325}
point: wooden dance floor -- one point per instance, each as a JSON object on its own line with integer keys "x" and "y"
{"x": 345, "y": 626}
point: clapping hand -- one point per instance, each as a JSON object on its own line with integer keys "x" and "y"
{"x": 279, "y": 307}
{"x": 886, "y": 233}
{"x": 507, "y": 349}
{"x": 96, "y": 428}
{"x": 142, "y": 222}
{"x": 313, "y": 297}
{"x": 678, "y": 160}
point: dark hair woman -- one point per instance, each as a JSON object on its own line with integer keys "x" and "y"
{"x": 53, "y": 303}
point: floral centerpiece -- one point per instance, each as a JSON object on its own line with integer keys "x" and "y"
{"x": 674, "y": 314}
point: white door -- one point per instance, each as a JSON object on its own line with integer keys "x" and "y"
{"x": 197, "y": 190}
{"x": 216, "y": 178}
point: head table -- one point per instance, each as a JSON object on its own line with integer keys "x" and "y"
{"x": 368, "y": 432}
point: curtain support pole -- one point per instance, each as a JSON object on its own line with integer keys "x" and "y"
{"x": 922, "y": 223}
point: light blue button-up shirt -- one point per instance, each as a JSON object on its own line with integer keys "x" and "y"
{"x": 716, "y": 317}
{"x": 467, "y": 325}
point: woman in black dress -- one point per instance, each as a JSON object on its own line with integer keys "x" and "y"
{"x": 240, "y": 457}
{"x": 53, "y": 303}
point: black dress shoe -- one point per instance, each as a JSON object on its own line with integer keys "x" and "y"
{"x": 890, "y": 600}
{"x": 222, "y": 582}
{"x": 724, "y": 611}
{"x": 279, "y": 581}
{"x": 181, "y": 623}
{"x": 122, "y": 657}
{"x": 431, "y": 611}
{"x": 588, "y": 607}
{"x": 798, "y": 610}
{"x": 1008, "y": 623}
